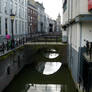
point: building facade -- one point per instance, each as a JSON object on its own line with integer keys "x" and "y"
{"x": 58, "y": 23}
{"x": 51, "y": 25}
{"x": 32, "y": 17}
{"x": 77, "y": 21}
{"x": 41, "y": 17}
{"x": 19, "y": 8}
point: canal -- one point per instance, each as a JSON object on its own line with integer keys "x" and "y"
{"x": 50, "y": 75}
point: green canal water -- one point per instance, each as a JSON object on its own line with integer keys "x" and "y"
{"x": 43, "y": 77}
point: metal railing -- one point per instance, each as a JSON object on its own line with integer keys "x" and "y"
{"x": 46, "y": 38}
{"x": 6, "y": 45}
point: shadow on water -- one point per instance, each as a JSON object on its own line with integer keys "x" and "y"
{"x": 32, "y": 79}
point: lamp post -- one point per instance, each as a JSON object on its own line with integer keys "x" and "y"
{"x": 30, "y": 30}
{"x": 12, "y": 16}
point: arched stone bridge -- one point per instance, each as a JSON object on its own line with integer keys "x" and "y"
{"x": 33, "y": 48}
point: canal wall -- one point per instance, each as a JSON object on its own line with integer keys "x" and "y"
{"x": 10, "y": 64}
{"x": 13, "y": 62}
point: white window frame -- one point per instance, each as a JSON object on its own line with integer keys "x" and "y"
{"x": 0, "y": 25}
{"x": 0, "y": 6}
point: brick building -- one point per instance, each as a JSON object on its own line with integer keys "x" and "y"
{"x": 32, "y": 17}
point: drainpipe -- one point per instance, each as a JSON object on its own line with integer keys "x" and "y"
{"x": 68, "y": 17}
{"x": 68, "y": 35}
{"x": 79, "y": 55}
{"x": 71, "y": 8}
{"x": 68, "y": 30}
{"x": 68, "y": 10}
{"x": 71, "y": 38}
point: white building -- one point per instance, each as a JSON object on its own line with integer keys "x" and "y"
{"x": 58, "y": 23}
{"x": 64, "y": 35}
{"x": 17, "y": 7}
{"x": 46, "y": 23}
{"x": 77, "y": 21}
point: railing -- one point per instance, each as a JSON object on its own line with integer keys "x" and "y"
{"x": 6, "y": 46}
{"x": 46, "y": 38}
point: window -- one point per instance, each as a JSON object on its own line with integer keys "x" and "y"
{"x": 19, "y": 1}
{"x": 25, "y": 2}
{"x": 11, "y": 7}
{"x": 16, "y": 9}
{"x": 6, "y": 7}
{"x": 16, "y": 0}
{"x": 15, "y": 26}
{"x": 25, "y": 13}
{"x": 28, "y": 11}
{"x": 31, "y": 11}
{"x": 6, "y": 30}
{"x": 22, "y": 2}
{"x": 19, "y": 11}
{"x": 28, "y": 18}
{"x": 65, "y": 5}
{"x": 20, "y": 27}
{"x": 31, "y": 18}
{"x": 0, "y": 6}
{"x": 0, "y": 25}
{"x": 26, "y": 27}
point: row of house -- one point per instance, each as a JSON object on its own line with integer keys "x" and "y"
{"x": 77, "y": 26}
{"x": 19, "y": 9}
{"x": 30, "y": 18}
{"x": 42, "y": 22}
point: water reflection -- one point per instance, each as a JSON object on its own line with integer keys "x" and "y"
{"x": 51, "y": 55}
{"x": 48, "y": 68}
{"x": 44, "y": 88}
{"x": 53, "y": 50}
{"x": 29, "y": 80}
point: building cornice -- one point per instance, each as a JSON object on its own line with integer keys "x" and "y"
{"x": 32, "y": 6}
{"x": 79, "y": 18}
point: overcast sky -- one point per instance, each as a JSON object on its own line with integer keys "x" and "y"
{"x": 52, "y": 7}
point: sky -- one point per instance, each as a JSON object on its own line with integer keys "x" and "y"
{"x": 52, "y": 7}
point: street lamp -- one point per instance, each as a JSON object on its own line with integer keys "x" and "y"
{"x": 12, "y": 16}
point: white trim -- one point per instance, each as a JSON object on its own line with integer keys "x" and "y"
{"x": 1, "y": 26}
